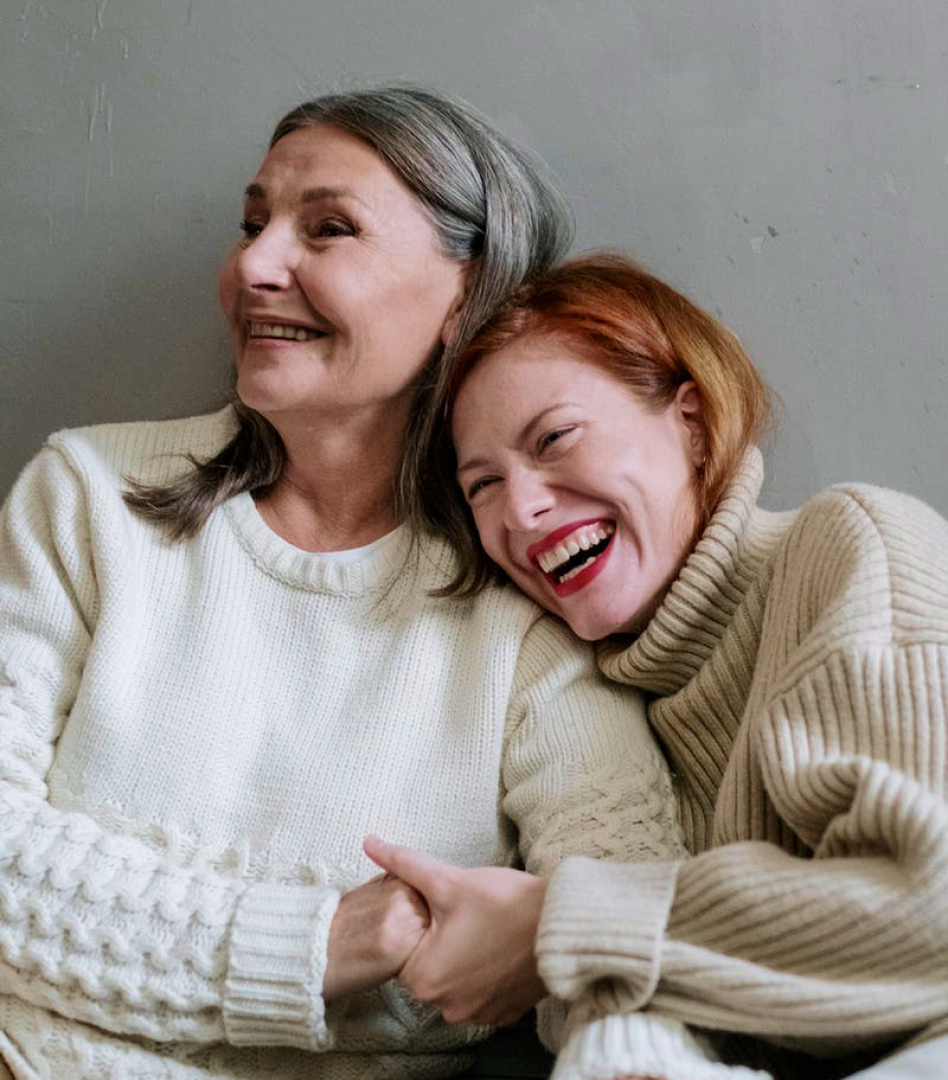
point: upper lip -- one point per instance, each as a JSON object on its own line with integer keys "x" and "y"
{"x": 553, "y": 538}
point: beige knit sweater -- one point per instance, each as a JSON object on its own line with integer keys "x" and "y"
{"x": 799, "y": 667}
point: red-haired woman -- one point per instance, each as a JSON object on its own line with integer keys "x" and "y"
{"x": 797, "y": 671}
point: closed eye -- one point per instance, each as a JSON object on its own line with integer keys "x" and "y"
{"x": 479, "y": 485}
{"x": 548, "y": 438}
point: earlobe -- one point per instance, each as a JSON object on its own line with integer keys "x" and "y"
{"x": 691, "y": 410}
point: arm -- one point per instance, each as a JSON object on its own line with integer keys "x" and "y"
{"x": 98, "y": 926}
{"x": 584, "y": 776}
{"x": 838, "y": 947}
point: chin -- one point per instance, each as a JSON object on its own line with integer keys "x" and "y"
{"x": 598, "y": 625}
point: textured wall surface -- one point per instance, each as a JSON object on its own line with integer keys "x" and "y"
{"x": 785, "y": 162}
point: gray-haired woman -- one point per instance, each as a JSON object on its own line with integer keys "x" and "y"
{"x": 223, "y": 659}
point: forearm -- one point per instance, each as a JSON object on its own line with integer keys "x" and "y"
{"x": 755, "y": 941}
{"x": 100, "y": 928}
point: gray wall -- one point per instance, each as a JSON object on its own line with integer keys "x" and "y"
{"x": 785, "y": 162}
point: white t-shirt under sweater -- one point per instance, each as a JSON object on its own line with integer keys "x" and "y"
{"x": 195, "y": 738}
{"x": 798, "y": 678}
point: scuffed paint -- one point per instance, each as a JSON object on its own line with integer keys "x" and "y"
{"x": 99, "y": 19}
{"x": 99, "y": 105}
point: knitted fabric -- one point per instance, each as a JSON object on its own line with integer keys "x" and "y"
{"x": 798, "y": 670}
{"x": 194, "y": 739}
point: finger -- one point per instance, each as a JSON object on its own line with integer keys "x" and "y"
{"x": 423, "y": 872}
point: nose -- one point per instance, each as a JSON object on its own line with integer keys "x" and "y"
{"x": 528, "y": 498}
{"x": 268, "y": 261}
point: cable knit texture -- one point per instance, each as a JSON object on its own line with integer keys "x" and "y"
{"x": 195, "y": 738}
{"x": 799, "y": 674}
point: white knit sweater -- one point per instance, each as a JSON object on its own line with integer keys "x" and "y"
{"x": 195, "y": 738}
{"x": 799, "y": 674}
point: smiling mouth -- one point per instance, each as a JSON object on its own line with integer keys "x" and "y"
{"x": 282, "y": 331}
{"x": 574, "y": 553}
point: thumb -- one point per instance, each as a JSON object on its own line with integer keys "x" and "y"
{"x": 423, "y": 872}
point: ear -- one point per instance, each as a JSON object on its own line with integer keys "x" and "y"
{"x": 453, "y": 317}
{"x": 691, "y": 411}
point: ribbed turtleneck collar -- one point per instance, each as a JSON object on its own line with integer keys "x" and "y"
{"x": 373, "y": 572}
{"x": 701, "y": 602}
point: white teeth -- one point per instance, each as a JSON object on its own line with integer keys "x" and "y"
{"x": 280, "y": 330}
{"x": 582, "y": 540}
{"x": 576, "y": 569}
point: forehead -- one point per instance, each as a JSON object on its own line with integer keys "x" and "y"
{"x": 537, "y": 372}
{"x": 321, "y": 156}
{"x": 541, "y": 361}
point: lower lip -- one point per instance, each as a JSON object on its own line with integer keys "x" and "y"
{"x": 277, "y": 342}
{"x": 584, "y": 577}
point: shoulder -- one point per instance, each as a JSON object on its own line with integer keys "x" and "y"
{"x": 869, "y": 555}
{"x": 151, "y": 451}
{"x": 502, "y": 614}
{"x": 864, "y": 524}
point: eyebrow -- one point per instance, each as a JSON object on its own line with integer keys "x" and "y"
{"x": 479, "y": 463}
{"x": 310, "y": 195}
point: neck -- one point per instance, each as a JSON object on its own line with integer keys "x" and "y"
{"x": 337, "y": 489}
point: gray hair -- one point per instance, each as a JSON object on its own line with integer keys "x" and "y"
{"x": 493, "y": 207}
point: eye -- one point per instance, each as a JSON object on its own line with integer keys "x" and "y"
{"x": 479, "y": 485}
{"x": 250, "y": 229}
{"x": 547, "y": 439}
{"x": 328, "y": 228}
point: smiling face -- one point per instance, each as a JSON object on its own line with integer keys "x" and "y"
{"x": 339, "y": 292}
{"x": 579, "y": 492}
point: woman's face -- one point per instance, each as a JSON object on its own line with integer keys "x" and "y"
{"x": 580, "y": 493}
{"x": 338, "y": 293}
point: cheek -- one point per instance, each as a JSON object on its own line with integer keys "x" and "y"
{"x": 491, "y": 535}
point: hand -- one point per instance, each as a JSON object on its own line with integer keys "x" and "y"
{"x": 476, "y": 961}
{"x": 373, "y": 932}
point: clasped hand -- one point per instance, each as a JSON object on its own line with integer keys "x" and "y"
{"x": 459, "y": 939}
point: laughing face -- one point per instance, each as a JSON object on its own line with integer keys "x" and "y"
{"x": 338, "y": 293}
{"x": 579, "y": 492}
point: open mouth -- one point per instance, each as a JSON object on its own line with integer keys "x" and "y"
{"x": 282, "y": 331}
{"x": 572, "y": 556}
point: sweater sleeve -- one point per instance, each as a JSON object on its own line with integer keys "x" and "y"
{"x": 583, "y": 775}
{"x": 98, "y": 926}
{"x": 830, "y": 935}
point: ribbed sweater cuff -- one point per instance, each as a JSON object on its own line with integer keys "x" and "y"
{"x": 605, "y": 920}
{"x": 640, "y": 1044}
{"x": 277, "y": 963}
